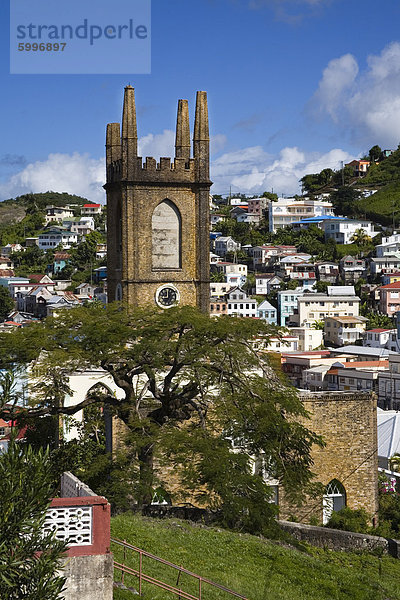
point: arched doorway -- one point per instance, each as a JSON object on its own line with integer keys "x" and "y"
{"x": 333, "y": 500}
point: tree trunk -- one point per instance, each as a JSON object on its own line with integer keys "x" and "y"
{"x": 146, "y": 474}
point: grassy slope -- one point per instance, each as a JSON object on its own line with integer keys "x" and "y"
{"x": 385, "y": 177}
{"x": 11, "y": 212}
{"x": 379, "y": 207}
{"x": 256, "y": 568}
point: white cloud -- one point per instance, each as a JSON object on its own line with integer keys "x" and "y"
{"x": 156, "y": 145}
{"x": 76, "y": 174}
{"x": 337, "y": 78}
{"x": 249, "y": 170}
{"x": 253, "y": 171}
{"x": 81, "y": 174}
{"x": 367, "y": 103}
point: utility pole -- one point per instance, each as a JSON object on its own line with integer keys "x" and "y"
{"x": 342, "y": 173}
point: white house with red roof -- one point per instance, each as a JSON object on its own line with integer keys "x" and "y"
{"x": 89, "y": 210}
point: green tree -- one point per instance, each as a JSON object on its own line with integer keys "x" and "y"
{"x": 6, "y": 303}
{"x": 322, "y": 286}
{"x": 181, "y": 372}
{"x": 250, "y": 282}
{"x": 84, "y": 255}
{"x": 310, "y": 183}
{"x": 375, "y": 153}
{"x": 29, "y": 559}
{"x": 378, "y": 320}
{"x": 217, "y": 276}
{"x": 270, "y": 196}
{"x": 348, "y": 519}
{"x": 32, "y": 260}
{"x": 325, "y": 177}
{"x": 346, "y": 201}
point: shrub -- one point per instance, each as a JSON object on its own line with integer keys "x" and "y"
{"x": 348, "y": 519}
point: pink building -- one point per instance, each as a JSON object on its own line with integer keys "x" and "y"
{"x": 389, "y": 302}
{"x": 257, "y": 205}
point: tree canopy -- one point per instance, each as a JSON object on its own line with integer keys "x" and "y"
{"x": 184, "y": 376}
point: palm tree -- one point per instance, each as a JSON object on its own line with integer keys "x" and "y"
{"x": 361, "y": 238}
{"x": 217, "y": 277}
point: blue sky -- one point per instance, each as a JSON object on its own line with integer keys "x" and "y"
{"x": 293, "y": 86}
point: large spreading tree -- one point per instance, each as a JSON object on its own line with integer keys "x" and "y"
{"x": 195, "y": 391}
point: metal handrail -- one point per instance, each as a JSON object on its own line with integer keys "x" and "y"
{"x": 143, "y": 577}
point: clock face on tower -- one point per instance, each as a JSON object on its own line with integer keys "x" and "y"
{"x": 167, "y": 296}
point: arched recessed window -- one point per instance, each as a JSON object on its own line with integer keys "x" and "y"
{"x": 334, "y": 499}
{"x": 166, "y": 237}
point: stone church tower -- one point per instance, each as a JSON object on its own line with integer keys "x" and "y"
{"x": 158, "y": 214}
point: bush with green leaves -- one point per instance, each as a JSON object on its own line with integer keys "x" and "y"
{"x": 29, "y": 559}
{"x": 348, "y": 519}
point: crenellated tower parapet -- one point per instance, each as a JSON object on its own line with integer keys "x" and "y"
{"x": 158, "y": 212}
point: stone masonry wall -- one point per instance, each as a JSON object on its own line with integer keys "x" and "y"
{"x": 348, "y": 424}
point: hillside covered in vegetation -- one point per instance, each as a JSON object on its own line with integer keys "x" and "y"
{"x": 382, "y": 207}
{"x": 23, "y": 216}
